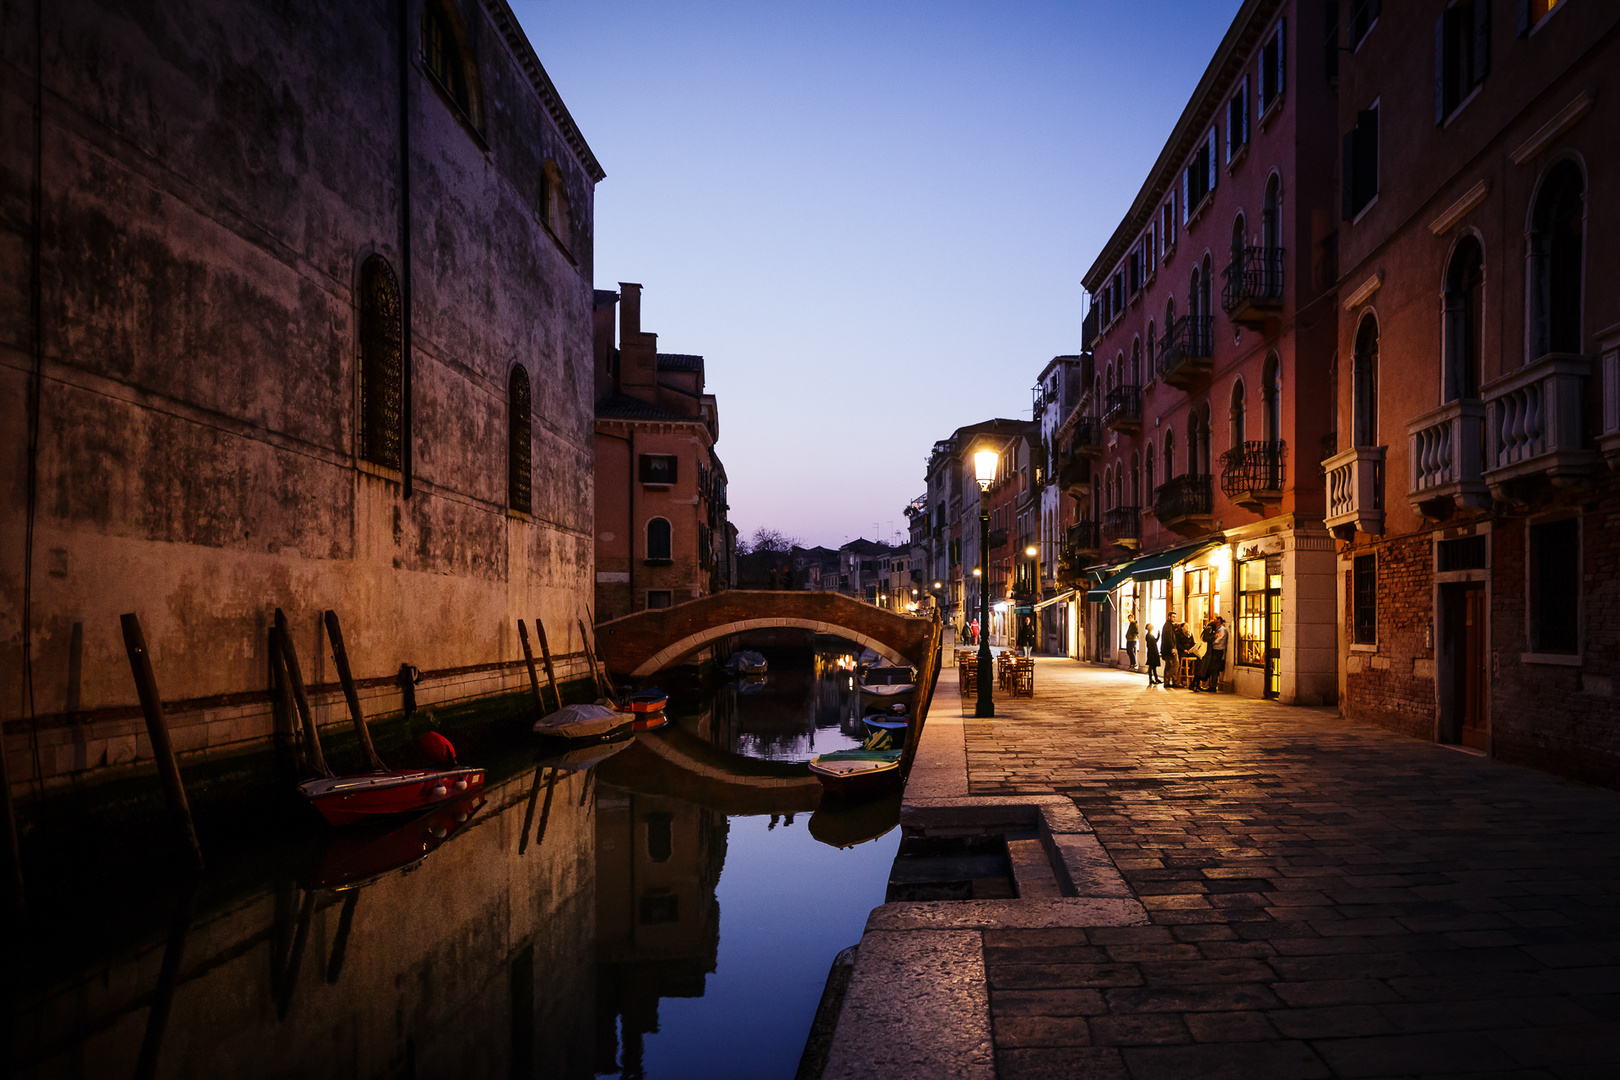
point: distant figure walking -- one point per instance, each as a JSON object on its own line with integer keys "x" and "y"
{"x": 1131, "y": 634}
{"x": 1152, "y": 640}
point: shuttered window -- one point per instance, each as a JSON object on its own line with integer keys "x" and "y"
{"x": 1360, "y": 179}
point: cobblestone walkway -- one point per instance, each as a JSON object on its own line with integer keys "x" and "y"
{"x": 1327, "y": 899}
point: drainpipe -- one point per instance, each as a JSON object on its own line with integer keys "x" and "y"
{"x": 405, "y": 244}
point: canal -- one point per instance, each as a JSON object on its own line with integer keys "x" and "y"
{"x": 669, "y": 909}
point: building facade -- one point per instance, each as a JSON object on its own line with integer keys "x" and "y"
{"x": 662, "y": 536}
{"x": 300, "y": 319}
{"x": 1211, "y": 380}
{"x": 1478, "y": 379}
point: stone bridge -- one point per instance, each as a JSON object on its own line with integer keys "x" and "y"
{"x": 648, "y": 641}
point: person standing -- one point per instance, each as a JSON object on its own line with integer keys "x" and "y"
{"x": 1152, "y": 641}
{"x": 1217, "y": 655}
{"x": 1201, "y": 670}
{"x": 1131, "y": 634}
{"x": 1168, "y": 651}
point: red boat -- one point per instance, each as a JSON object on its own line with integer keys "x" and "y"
{"x": 355, "y": 857}
{"x": 343, "y": 800}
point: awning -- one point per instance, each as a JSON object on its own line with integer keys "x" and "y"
{"x": 1157, "y": 567}
{"x": 1058, "y": 599}
{"x": 1108, "y": 580}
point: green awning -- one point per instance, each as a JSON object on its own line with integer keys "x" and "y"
{"x": 1157, "y": 567}
{"x": 1108, "y": 580}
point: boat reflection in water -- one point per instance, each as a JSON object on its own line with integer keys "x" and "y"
{"x": 652, "y": 908}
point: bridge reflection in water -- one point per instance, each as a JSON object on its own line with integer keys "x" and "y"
{"x": 571, "y": 926}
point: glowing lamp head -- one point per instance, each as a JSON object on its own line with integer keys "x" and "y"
{"x": 1030, "y": 551}
{"x": 977, "y": 572}
{"x": 984, "y": 467}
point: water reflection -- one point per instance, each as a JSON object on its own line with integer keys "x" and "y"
{"x": 662, "y": 908}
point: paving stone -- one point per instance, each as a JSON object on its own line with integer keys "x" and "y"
{"x": 1332, "y": 1021}
{"x": 1069, "y": 1063}
{"x": 1190, "y": 998}
{"x": 1018, "y": 1031}
{"x": 1229, "y": 1026}
{"x": 1226, "y": 1061}
{"x": 1388, "y": 1055}
{"x": 1038, "y": 976}
{"x": 1139, "y": 1029}
{"x": 1334, "y": 992}
{"x": 1051, "y": 1001}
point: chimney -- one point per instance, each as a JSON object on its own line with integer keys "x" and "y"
{"x": 638, "y": 351}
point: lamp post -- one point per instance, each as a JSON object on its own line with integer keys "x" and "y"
{"x": 984, "y": 471}
{"x": 1036, "y": 590}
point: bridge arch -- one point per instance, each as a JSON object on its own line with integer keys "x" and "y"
{"x": 640, "y": 644}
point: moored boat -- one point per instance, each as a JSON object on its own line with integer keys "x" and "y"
{"x": 650, "y": 700}
{"x": 649, "y": 721}
{"x": 357, "y": 856}
{"x": 747, "y": 662}
{"x": 891, "y": 726}
{"x": 857, "y": 774}
{"x": 343, "y": 800}
{"x": 584, "y": 723}
{"x": 884, "y": 686}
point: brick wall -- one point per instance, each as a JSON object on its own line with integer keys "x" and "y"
{"x": 1565, "y": 720}
{"x": 1394, "y": 687}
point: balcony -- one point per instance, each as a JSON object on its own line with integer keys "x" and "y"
{"x": 1081, "y": 543}
{"x": 1446, "y": 448}
{"x": 1122, "y": 409}
{"x": 1186, "y": 504}
{"x": 1074, "y": 476}
{"x": 996, "y": 539}
{"x": 1184, "y": 353}
{"x": 1253, "y": 289}
{"x": 1533, "y": 427}
{"x": 1252, "y": 474}
{"x": 1087, "y": 437}
{"x": 1123, "y": 526}
{"x": 1355, "y": 486}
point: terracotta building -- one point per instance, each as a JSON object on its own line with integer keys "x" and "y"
{"x": 662, "y": 536}
{"x": 1210, "y": 393}
{"x": 1478, "y": 380}
{"x": 300, "y": 319}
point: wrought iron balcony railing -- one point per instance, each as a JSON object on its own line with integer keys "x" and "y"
{"x": 1083, "y": 536}
{"x": 1086, "y": 436}
{"x": 1122, "y": 525}
{"x": 1184, "y": 496}
{"x": 1184, "y": 352}
{"x": 1254, "y": 285}
{"x": 1253, "y": 471}
{"x": 996, "y": 539}
{"x": 1074, "y": 472}
{"x": 1123, "y": 407}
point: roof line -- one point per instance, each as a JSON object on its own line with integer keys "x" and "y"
{"x": 518, "y": 41}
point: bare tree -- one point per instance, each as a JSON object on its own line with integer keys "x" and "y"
{"x": 769, "y": 540}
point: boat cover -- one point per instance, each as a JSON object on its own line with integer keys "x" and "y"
{"x": 580, "y": 722}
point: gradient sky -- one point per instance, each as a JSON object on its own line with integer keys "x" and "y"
{"x": 870, "y": 218}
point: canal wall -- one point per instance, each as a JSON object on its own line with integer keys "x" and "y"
{"x": 313, "y": 330}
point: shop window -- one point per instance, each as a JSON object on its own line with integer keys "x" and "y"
{"x": 658, "y": 540}
{"x": 1364, "y": 599}
{"x": 1462, "y": 53}
{"x": 381, "y": 365}
{"x": 658, "y": 469}
{"x": 1555, "y": 579}
{"x": 519, "y": 477}
{"x": 1251, "y": 628}
{"x": 1198, "y": 587}
{"x": 1273, "y": 68}
{"x": 1359, "y": 184}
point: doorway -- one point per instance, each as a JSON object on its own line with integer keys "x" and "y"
{"x": 1463, "y": 674}
{"x": 1274, "y": 623}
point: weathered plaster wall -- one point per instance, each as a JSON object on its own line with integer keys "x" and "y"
{"x": 212, "y": 179}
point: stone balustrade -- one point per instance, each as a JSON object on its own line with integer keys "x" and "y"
{"x": 1446, "y": 456}
{"x": 1355, "y": 483}
{"x": 1533, "y": 424}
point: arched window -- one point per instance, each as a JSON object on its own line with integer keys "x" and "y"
{"x": 1556, "y": 262}
{"x": 1271, "y": 399}
{"x": 1236, "y": 416}
{"x": 1192, "y": 443}
{"x": 1136, "y": 479}
{"x": 1108, "y": 487}
{"x": 1366, "y": 383}
{"x": 1463, "y": 321}
{"x": 1097, "y": 394}
{"x": 1204, "y": 307}
{"x": 554, "y": 208}
{"x": 449, "y": 58}
{"x": 1169, "y": 456}
{"x": 518, "y": 473}
{"x": 1271, "y": 213}
{"x": 1194, "y": 290}
{"x": 1152, "y": 350}
{"x": 1147, "y": 475}
{"x": 658, "y": 539}
{"x": 381, "y": 365}
{"x": 1240, "y": 238}
{"x": 1203, "y": 441}
{"x": 1119, "y": 484}
{"x": 1136, "y": 362}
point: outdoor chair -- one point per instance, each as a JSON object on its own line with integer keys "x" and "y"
{"x": 1023, "y": 678}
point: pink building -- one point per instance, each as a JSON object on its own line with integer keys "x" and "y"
{"x": 1211, "y": 387}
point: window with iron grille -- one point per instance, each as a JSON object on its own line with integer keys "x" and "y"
{"x": 1364, "y": 599}
{"x": 1555, "y": 578}
{"x": 518, "y": 473}
{"x": 658, "y": 468}
{"x": 1464, "y": 553}
{"x": 381, "y": 364}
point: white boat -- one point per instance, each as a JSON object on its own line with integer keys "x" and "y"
{"x": 584, "y": 723}
{"x": 884, "y": 686}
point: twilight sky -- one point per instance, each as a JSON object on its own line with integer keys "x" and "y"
{"x": 871, "y": 218}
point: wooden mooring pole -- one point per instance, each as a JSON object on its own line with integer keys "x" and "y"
{"x": 157, "y": 729}
{"x": 295, "y": 678}
{"x": 340, "y": 656}
{"x": 545, "y": 654}
{"x": 534, "y": 676}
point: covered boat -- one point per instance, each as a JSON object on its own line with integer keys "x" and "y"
{"x": 747, "y": 662}
{"x": 584, "y": 723}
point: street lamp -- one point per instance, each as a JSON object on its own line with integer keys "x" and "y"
{"x": 1035, "y": 589}
{"x": 984, "y": 471}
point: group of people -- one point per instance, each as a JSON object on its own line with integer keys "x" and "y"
{"x": 1172, "y": 643}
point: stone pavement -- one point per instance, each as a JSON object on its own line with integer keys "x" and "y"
{"x": 1324, "y": 899}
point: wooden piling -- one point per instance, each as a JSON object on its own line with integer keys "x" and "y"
{"x": 340, "y": 944}
{"x": 157, "y": 728}
{"x": 604, "y": 684}
{"x": 534, "y": 676}
{"x": 157, "y": 1017}
{"x": 528, "y": 812}
{"x": 295, "y": 679}
{"x": 340, "y": 656}
{"x": 545, "y": 654}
